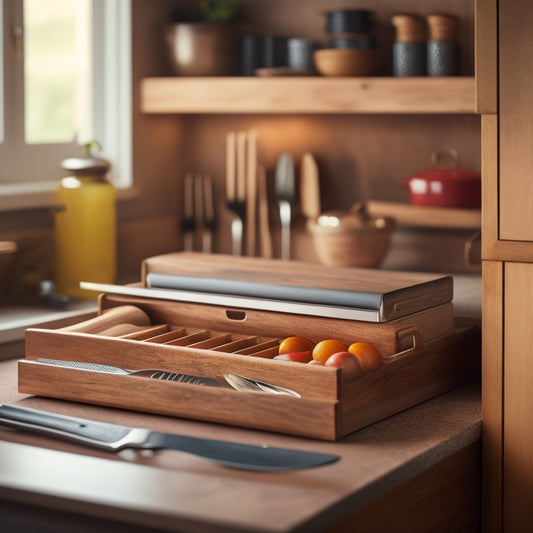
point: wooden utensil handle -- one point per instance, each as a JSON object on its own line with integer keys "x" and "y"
{"x": 124, "y": 314}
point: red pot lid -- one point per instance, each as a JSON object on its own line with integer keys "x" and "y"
{"x": 443, "y": 173}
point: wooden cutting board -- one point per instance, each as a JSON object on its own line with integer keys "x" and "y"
{"x": 392, "y": 294}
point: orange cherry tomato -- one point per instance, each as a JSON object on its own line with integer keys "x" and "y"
{"x": 328, "y": 347}
{"x": 295, "y": 345}
{"x": 297, "y": 357}
{"x": 368, "y": 355}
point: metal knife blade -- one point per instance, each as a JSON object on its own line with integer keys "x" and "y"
{"x": 114, "y": 437}
{"x": 285, "y": 190}
{"x": 188, "y": 223}
{"x": 155, "y": 374}
{"x": 209, "y": 214}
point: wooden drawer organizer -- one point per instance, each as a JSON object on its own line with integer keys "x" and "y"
{"x": 425, "y": 355}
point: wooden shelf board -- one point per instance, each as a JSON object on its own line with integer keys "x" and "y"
{"x": 435, "y": 217}
{"x": 292, "y": 95}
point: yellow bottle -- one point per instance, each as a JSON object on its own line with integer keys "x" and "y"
{"x": 85, "y": 225}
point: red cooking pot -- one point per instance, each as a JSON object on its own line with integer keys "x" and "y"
{"x": 445, "y": 186}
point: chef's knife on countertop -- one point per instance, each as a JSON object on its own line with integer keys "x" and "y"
{"x": 113, "y": 437}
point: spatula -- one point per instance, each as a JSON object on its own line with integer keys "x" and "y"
{"x": 310, "y": 187}
{"x": 284, "y": 188}
{"x": 113, "y": 438}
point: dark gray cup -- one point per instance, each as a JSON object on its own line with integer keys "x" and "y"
{"x": 300, "y": 53}
{"x": 443, "y": 58}
{"x": 409, "y": 59}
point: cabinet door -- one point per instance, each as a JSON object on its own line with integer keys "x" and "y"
{"x": 516, "y": 120}
{"x": 518, "y": 398}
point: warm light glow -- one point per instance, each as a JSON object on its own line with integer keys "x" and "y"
{"x": 71, "y": 182}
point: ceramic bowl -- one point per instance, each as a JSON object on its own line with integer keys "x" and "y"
{"x": 342, "y": 239}
{"x": 203, "y": 49}
{"x": 346, "y": 61}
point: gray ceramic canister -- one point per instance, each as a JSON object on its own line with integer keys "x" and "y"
{"x": 409, "y": 59}
{"x": 300, "y": 53}
{"x": 443, "y": 58}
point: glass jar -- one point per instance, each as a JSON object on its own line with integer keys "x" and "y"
{"x": 85, "y": 225}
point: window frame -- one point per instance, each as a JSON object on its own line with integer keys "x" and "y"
{"x": 112, "y": 105}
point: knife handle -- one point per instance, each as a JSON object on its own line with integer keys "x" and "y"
{"x": 123, "y": 314}
{"x": 62, "y": 426}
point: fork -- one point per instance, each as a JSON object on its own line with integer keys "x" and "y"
{"x": 148, "y": 373}
{"x": 244, "y": 384}
{"x": 236, "y": 186}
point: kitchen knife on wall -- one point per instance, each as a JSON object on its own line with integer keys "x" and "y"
{"x": 209, "y": 214}
{"x": 251, "y": 191}
{"x": 265, "y": 236}
{"x": 285, "y": 189}
{"x": 198, "y": 198}
{"x": 188, "y": 222}
{"x": 113, "y": 437}
{"x": 236, "y": 187}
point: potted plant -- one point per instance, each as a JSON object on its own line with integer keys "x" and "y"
{"x": 208, "y": 46}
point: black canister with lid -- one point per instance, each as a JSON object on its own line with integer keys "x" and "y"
{"x": 443, "y": 49}
{"x": 409, "y": 52}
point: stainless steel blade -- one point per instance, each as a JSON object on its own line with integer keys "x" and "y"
{"x": 236, "y": 235}
{"x": 285, "y": 191}
{"x": 149, "y": 373}
{"x": 113, "y": 438}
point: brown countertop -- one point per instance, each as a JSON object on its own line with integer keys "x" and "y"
{"x": 178, "y": 492}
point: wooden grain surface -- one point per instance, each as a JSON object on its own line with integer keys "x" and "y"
{"x": 289, "y": 95}
{"x": 486, "y": 56}
{"x": 402, "y": 293}
{"x": 453, "y": 483}
{"x": 328, "y": 409}
{"x": 390, "y": 337}
{"x": 490, "y": 188}
{"x": 517, "y": 387}
{"x": 516, "y": 124}
{"x": 427, "y": 217}
{"x": 179, "y": 492}
{"x": 492, "y": 406}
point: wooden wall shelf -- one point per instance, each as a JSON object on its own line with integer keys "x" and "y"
{"x": 428, "y": 217}
{"x": 316, "y": 95}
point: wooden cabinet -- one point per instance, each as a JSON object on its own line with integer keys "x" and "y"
{"x": 516, "y": 121}
{"x": 505, "y": 73}
{"x": 367, "y": 134}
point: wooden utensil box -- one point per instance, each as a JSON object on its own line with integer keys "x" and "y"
{"x": 207, "y": 340}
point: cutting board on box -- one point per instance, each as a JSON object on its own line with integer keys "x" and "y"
{"x": 361, "y": 294}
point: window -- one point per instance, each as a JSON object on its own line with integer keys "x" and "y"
{"x": 66, "y": 79}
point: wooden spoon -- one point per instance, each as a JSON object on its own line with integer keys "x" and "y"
{"x": 310, "y": 187}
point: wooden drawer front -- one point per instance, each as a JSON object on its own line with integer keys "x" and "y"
{"x": 205, "y": 342}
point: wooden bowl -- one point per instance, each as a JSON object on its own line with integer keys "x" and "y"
{"x": 203, "y": 49}
{"x": 347, "y": 245}
{"x": 346, "y": 61}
